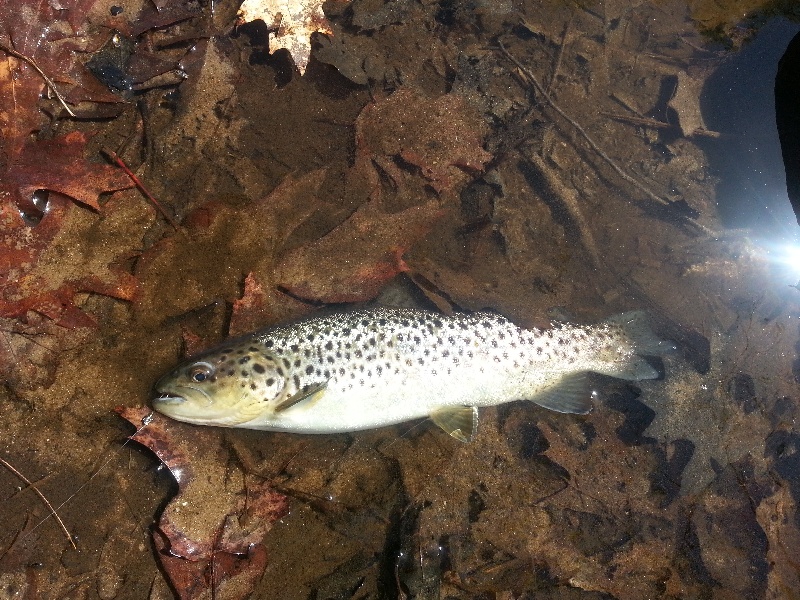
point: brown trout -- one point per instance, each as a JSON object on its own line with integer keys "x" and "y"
{"x": 372, "y": 368}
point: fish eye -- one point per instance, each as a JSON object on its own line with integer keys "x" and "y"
{"x": 200, "y": 372}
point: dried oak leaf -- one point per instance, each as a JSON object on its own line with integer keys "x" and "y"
{"x": 43, "y": 266}
{"x": 58, "y": 165}
{"x": 290, "y": 23}
{"x": 354, "y": 261}
{"x": 608, "y": 497}
{"x": 259, "y": 305}
{"x": 50, "y": 34}
{"x": 440, "y": 137}
{"x": 211, "y": 535}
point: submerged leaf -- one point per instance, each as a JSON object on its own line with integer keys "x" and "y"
{"x": 211, "y": 535}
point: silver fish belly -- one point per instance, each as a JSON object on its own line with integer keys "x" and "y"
{"x": 372, "y": 368}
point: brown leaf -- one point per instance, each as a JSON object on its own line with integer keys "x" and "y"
{"x": 58, "y": 165}
{"x": 259, "y": 306}
{"x": 212, "y": 532}
{"x": 34, "y": 275}
{"x": 358, "y": 257}
{"x": 441, "y": 137}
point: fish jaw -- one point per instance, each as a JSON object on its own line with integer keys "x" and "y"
{"x": 195, "y": 406}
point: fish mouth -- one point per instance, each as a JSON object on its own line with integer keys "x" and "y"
{"x": 166, "y": 398}
{"x": 176, "y": 395}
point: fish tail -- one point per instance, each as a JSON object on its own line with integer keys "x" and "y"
{"x": 632, "y": 339}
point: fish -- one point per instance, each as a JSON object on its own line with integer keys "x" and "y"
{"x": 376, "y": 367}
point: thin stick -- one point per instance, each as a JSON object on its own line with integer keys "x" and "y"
{"x": 535, "y": 82}
{"x": 560, "y": 54}
{"x": 121, "y": 164}
{"x": 45, "y": 500}
{"x": 42, "y": 74}
{"x": 660, "y": 124}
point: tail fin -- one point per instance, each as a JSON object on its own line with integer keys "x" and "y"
{"x": 631, "y": 339}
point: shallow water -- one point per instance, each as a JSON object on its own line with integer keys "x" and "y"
{"x": 681, "y": 487}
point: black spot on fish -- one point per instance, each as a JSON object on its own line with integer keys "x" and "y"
{"x": 365, "y": 322}
{"x": 223, "y": 358}
{"x": 330, "y": 360}
{"x": 294, "y": 347}
{"x": 494, "y": 343}
{"x": 372, "y": 341}
{"x": 329, "y": 345}
{"x": 438, "y": 323}
{"x": 257, "y": 368}
{"x": 307, "y": 352}
{"x": 253, "y": 386}
{"x": 268, "y": 343}
{"x": 309, "y": 370}
{"x": 253, "y": 349}
{"x": 230, "y": 372}
{"x": 359, "y": 354}
{"x": 341, "y": 371}
{"x": 417, "y": 339}
{"x": 244, "y": 360}
{"x": 287, "y": 363}
{"x": 379, "y": 369}
{"x": 346, "y": 331}
{"x": 279, "y": 371}
{"x": 296, "y": 380}
{"x": 240, "y": 351}
{"x": 539, "y": 350}
{"x": 297, "y": 362}
{"x": 245, "y": 373}
{"x": 382, "y": 322}
{"x": 327, "y": 374}
{"x": 270, "y": 381}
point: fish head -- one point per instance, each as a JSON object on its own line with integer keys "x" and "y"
{"x": 225, "y": 387}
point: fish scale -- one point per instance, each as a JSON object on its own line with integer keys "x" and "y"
{"x": 371, "y": 368}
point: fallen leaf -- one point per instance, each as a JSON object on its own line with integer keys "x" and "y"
{"x": 211, "y": 534}
{"x": 355, "y": 260}
{"x": 259, "y": 306}
{"x": 440, "y": 137}
{"x": 43, "y": 266}
{"x": 290, "y": 23}
{"x": 59, "y": 165}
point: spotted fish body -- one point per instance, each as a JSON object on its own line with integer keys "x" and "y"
{"x": 371, "y": 368}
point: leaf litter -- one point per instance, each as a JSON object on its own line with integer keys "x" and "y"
{"x": 411, "y": 145}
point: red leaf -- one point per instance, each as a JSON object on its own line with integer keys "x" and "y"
{"x": 212, "y": 532}
{"x": 58, "y": 165}
{"x": 30, "y": 283}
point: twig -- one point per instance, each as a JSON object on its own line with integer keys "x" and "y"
{"x": 42, "y": 74}
{"x": 535, "y": 82}
{"x": 560, "y": 54}
{"x": 660, "y": 124}
{"x": 45, "y": 500}
{"x": 121, "y": 164}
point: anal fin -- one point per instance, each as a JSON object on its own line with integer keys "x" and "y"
{"x": 461, "y": 422}
{"x": 570, "y": 394}
{"x": 311, "y": 393}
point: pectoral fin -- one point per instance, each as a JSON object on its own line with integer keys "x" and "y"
{"x": 459, "y": 421}
{"x": 570, "y": 394}
{"x": 312, "y": 394}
